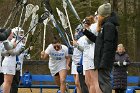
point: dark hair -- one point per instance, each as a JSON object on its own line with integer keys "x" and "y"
{"x": 2, "y": 30}
{"x": 56, "y": 40}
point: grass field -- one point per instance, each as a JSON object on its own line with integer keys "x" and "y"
{"x": 38, "y": 91}
{"x": 47, "y": 91}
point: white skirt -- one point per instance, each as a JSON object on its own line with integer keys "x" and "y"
{"x": 55, "y": 68}
{"x": 87, "y": 65}
{"x": 73, "y": 68}
{"x": 11, "y": 70}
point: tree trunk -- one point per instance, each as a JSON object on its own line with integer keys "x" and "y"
{"x": 137, "y": 31}
{"x": 125, "y": 21}
{"x": 115, "y": 5}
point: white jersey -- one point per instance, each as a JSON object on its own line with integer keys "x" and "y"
{"x": 88, "y": 53}
{"x": 9, "y": 60}
{"x": 93, "y": 28}
{"x": 76, "y": 57}
{"x": 86, "y": 48}
{"x": 21, "y": 57}
{"x": 77, "y": 53}
{"x": 57, "y": 60}
{"x": 9, "y": 63}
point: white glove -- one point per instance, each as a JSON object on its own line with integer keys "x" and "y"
{"x": 28, "y": 56}
{"x": 118, "y": 63}
{"x": 124, "y": 63}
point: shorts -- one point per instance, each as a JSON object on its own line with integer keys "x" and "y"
{"x": 57, "y": 68}
{"x": 11, "y": 70}
{"x": 73, "y": 69}
{"x": 87, "y": 65}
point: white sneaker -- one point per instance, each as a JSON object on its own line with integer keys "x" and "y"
{"x": 67, "y": 88}
{"x": 58, "y": 91}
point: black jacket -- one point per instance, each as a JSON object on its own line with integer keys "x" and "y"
{"x": 105, "y": 43}
{"x": 120, "y": 71}
{"x": 4, "y": 34}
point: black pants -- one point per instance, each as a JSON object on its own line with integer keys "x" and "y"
{"x": 1, "y": 78}
{"x": 83, "y": 84}
{"x": 105, "y": 80}
{"x": 120, "y": 90}
{"x": 15, "y": 83}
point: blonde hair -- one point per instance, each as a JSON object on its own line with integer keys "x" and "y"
{"x": 121, "y": 45}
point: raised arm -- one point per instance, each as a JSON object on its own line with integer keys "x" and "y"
{"x": 44, "y": 55}
{"x": 90, "y": 35}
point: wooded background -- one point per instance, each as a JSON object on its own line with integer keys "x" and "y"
{"x": 127, "y": 10}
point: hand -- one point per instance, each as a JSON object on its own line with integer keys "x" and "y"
{"x": 42, "y": 54}
{"x": 86, "y": 26}
{"x": 31, "y": 48}
{"x": 118, "y": 63}
{"x": 28, "y": 56}
{"x": 10, "y": 51}
{"x": 23, "y": 48}
{"x": 124, "y": 63}
{"x": 75, "y": 44}
{"x": 68, "y": 67}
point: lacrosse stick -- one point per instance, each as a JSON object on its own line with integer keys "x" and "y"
{"x": 72, "y": 9}
{"x": 28, "y": 12}
{"x": 64, "y": 6}
{"x": 63, "y": 18}
{"x": 15, "y": 6}
{"x": 34, "y": 21}
{"x": 51, "y": 17}
{"x": 41, "y": 19}
{"x": 32, "y": 31}
{"x": 68, "y": 38}
{"x": 24, "y": 3}
{"x": 34, "y": 10}
{"x": 16, "y": 13}
{"x": 45, "y": 23}
{"x": 64, "y": 22}
{"x": 48, "y": 9}
{"x": 21, "y": 15}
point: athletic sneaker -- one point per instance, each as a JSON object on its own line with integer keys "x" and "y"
{"x": 67, "y": 88}
{"x": 58, "y": 91}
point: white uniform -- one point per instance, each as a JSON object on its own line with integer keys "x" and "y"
{"x": 88, "y": 54}
{"x": 9, "y": 63}
{"x": 21, "y": 58}
{"x": 76, "y": 57}
{"x": 57, "y": 60}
